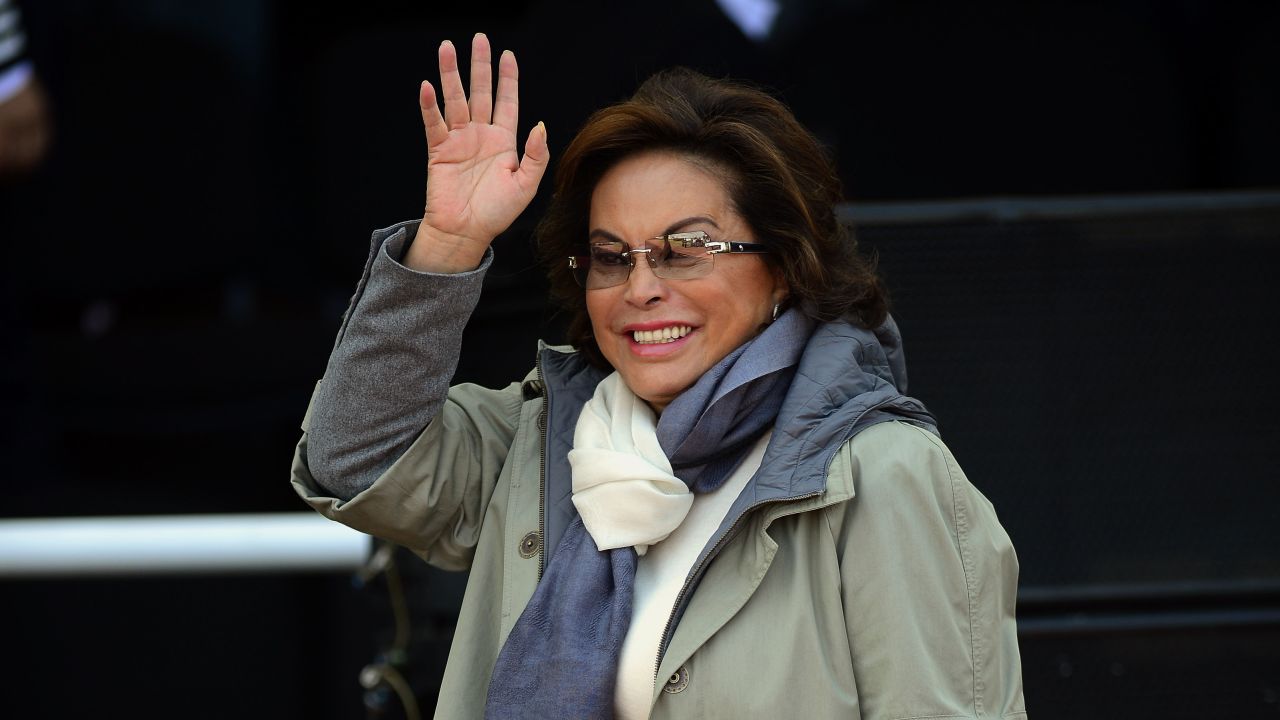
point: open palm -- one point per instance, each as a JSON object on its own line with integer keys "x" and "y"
{"x": 476, "y": 183}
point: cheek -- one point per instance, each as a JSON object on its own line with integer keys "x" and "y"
{"x": 598, "y": 314}
{"x": 753, "y": 293}
{"x": 594, "y": 307}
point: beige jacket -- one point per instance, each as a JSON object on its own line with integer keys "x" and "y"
{"x": 888, "y": 596}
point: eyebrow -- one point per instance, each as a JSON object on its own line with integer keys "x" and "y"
{"x": 672, "y": 228}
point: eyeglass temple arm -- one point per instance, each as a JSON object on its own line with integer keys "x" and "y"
{"x": 723, "y": 246}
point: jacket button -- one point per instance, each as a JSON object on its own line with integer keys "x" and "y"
{"x": 678, "y": 681}
{"x": 530, "y": 545}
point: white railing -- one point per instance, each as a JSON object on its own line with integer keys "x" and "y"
{"x": 178, "y": 544}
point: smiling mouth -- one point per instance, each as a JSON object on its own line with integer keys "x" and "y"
{"x": 657, "y": 337}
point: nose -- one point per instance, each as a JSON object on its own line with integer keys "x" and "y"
{"x": 643, "y": 287}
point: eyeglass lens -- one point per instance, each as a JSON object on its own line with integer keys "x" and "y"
{"x": 611, "y": 262}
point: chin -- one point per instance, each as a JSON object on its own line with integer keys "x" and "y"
{"x": 657, "y": 395}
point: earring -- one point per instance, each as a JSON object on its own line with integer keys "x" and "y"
{"x": 777, "y": 308}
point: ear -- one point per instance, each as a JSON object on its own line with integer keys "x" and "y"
{"x": 781, "y": 288}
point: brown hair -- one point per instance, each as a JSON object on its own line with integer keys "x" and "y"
{"x": 779, "y": 178}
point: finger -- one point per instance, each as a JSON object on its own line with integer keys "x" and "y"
{"x": 455, "y": 99}
{"x": 506, "y": 109}
{"x": 536, "y": 157}
{"x": 481, "y": 80}
{"x": 432, "y": 120}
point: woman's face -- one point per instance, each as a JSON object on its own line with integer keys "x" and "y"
{"x": 658, "y": 193}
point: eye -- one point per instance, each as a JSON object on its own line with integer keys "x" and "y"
{"x": 683, "y": 256}
{"x": 607, "y": 256}
{"x": 684, "y": 249}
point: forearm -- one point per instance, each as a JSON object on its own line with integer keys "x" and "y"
{"x": 390, "y": 368}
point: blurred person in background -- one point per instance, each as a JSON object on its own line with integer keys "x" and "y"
{"x": 25, "y": 126}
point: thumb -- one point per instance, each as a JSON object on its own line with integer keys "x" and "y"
{"x": 536, "y": 157}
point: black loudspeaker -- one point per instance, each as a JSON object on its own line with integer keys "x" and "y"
{"x": 1103, "y": 369}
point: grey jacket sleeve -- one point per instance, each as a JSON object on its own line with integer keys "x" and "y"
{"x": 389, "y": 371}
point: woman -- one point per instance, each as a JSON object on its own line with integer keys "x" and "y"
{"x": 720, "y": 504}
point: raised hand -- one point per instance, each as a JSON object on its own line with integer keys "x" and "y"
{"x": 476, "y": 183}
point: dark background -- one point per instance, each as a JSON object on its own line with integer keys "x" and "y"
{"x": 1076, "y": 205}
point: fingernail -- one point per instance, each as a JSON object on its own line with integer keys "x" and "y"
{"x": 544, "y": 128}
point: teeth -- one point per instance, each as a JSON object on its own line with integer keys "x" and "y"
{"x": 665, "y": 335}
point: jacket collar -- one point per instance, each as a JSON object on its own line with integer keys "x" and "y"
{"x": 569, "y": 383}
{"x": 848, "y": 379}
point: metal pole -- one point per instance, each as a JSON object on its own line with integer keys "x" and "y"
{"x": 178, "y": 544}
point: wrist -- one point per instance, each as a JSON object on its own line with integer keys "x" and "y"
{"x": 434, "y": 251}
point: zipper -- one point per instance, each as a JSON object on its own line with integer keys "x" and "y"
{"x": 542, "y": 468}
{"x": 702, "y": 563}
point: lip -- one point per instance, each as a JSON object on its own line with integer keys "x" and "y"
{"x": 656, "y": 350}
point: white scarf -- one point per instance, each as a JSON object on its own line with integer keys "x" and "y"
{"x": 623, "y": 486}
